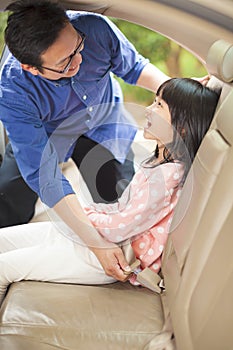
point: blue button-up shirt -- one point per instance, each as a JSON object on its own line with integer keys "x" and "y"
{"x": 44, "y": 118}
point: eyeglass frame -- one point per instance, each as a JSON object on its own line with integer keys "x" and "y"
{"x": 77, "y": 50}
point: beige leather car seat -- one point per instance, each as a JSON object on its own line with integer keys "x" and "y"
{"x": 195, "y": 312}
{"x": 198, "y": 264}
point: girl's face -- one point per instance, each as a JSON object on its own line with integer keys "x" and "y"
{"x": 158, "y": 125}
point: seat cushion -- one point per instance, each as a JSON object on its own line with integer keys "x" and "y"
{"x": 17, "y": 342}
{"x": 116, "y": 316}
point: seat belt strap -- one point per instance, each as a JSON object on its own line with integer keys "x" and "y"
{"x": 146, "y": 277}
{"x": 150, "y": 279}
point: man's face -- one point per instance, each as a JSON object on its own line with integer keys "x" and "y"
{"x": 63, "y": 58}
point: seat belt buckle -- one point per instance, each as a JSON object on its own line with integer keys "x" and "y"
{"x": 146, "y": 277}
{"x": 150, "y": 280}
{"x": 133, "y": 267}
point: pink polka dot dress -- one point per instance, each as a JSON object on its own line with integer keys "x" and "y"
{"x": 143, "y": 213}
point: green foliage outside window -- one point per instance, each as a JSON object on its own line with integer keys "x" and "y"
{"x": 163, "y": 53}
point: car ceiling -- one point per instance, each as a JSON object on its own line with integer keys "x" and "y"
{"x": 195, "y": 24}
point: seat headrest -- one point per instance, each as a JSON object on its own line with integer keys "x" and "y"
{"x": 219, "y": 60}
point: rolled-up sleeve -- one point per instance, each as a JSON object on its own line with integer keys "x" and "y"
{"x": 127, "y": 63}
{"x": 111, "y": 46}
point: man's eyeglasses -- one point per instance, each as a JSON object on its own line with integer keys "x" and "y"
{"x": 70, "y": 58}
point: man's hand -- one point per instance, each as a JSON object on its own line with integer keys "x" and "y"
{"x": 109, "y": 254}
{"x": 203, "y": 80}
{"x": 113, "y": 261}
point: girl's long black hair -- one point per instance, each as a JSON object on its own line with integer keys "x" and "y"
{"x": 192, "y": 108}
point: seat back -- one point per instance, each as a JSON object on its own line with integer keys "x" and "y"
{"x": 197, "y": 264}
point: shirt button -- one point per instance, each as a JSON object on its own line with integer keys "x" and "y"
{"x": 84, "y": 97}
{"x": 90, "y": 109}
{"x": 88, "y": 120}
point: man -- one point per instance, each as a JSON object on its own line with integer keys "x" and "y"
{"x": 59, "y": 100}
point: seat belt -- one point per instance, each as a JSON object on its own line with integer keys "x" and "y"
{"x": 150, "y": 280}
{"x": 146, "y": 277}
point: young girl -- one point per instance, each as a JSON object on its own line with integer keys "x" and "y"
{"x": 177, "y": 120}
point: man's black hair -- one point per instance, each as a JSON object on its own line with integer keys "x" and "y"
{"x": 32, "y": 27}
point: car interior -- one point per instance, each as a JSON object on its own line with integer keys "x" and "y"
{"x": 193, "y": 310}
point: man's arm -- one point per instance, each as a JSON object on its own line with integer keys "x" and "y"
{"x": 110, "y": 255}
{"x": 151, "y": 78}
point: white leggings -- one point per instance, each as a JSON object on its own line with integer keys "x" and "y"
{"x": 37, "y": 251}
